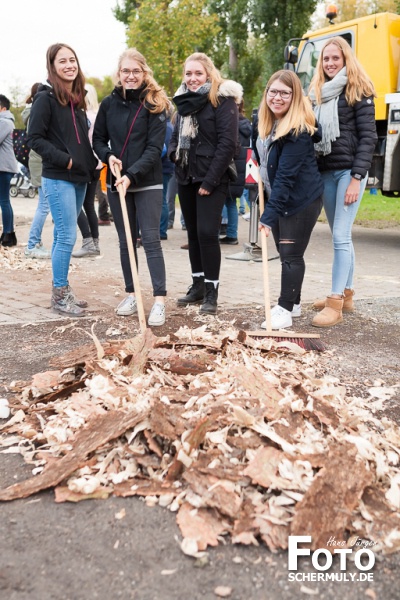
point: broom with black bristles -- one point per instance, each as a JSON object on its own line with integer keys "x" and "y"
{"x": 308, "y": 341}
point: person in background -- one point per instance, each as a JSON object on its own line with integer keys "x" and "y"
{"x": 58, "y": 132}
{"x": 105, "y": 216}
{"x": 8, "y": 166}
{"x": 34, "y": 247}
{"x": 88, "y": 221}
{"x": 287, "y": 130}
{"x": 203, "y": 144}
{"x": 343, "y": 96}
{"x": 168, "y": 171}
{"x": 129, "y": 133}
{"x": 236, "y": 188}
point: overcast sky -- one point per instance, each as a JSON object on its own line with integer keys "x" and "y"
{"x": 29, "y": 27}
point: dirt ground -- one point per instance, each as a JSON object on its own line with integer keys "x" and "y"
{"x": 79, "y": 551}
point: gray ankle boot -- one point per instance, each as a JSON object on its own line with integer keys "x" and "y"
{"x": 80, "y": 303}
{"x": 62, "y": 301}
{"x": 96, "y": 243}
{"x": 88, "y": 249}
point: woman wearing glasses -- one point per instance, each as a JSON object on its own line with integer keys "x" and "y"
{"x": 287, "y": 130}
{"x": 129, "y": 133}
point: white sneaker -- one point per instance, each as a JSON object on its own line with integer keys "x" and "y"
{"x": 157, "y": 315}
{"x": 280, "y": 318}
{"x": 127, "y": 307}
{"x": 246, "y": 216}
{"x": 296, "y": 312}
{"x": 38, "y": 251}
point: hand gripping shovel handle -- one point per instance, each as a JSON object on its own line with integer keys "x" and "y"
{"x": 131, "y": 252}
{"x": 264, "y": 251}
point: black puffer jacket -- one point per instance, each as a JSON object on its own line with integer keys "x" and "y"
{"x": 216, "y": 143}
{"x": 355, "y": 146}
{"x": 58, "y": 133}
{"x": 236, "y": 189}
{"x": 141, "y": 160}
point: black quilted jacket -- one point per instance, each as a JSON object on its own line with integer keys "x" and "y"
{"x": 355, "y": 146}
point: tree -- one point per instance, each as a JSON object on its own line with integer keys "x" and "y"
{"x": 276, "y": 21}
{"x": 166, "y": 32}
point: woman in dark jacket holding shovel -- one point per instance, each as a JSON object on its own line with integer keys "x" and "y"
{"x": 288, "y": 166}
{"x": 203, "y": 144}
{"x": 129, "y": 133}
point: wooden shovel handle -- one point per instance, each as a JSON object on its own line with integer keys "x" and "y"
{"x": 264, "y": 251}
{"x": 131, "y": 252}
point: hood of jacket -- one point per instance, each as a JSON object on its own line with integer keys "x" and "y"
{"x": 230, "y": 88}
{"x": 7, "y": 114}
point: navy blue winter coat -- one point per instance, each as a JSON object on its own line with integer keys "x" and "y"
{"x": 294, "y": 177}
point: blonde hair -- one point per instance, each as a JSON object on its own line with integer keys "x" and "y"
{"x": 213, "y": 75}
{"x": 358, "y": 82}
{"x": 91, "y": 99}
{"x": 299, "y": 117}
{"x": 154, "y": 95}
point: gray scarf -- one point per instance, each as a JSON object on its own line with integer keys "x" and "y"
{"x": 327, "y": 112}
{"x": 188, "y": 104}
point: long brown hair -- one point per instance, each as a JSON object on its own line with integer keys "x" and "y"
{"x": 77, "y": 95}
{"x": 154, "y": 95}
{"x": 358, "y": 82}
{"x": 33, "y": 93}
{"x": 213, "y": 75}
{"x": 299, "y": 117}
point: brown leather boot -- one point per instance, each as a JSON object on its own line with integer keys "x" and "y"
{"x": 331, "y": 314}
{"x": 348, "y": 304}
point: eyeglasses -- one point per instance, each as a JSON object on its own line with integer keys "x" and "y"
{"x": 284, "y": 95}
{"x": 126, "y": 72}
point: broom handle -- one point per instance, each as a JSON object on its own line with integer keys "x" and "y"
{"x": 264, "y": 250}
{"x": 131, "y": 252}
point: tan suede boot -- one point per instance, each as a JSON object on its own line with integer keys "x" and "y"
{"x": 331, "y": 314}
{"x": 348, "y": 304}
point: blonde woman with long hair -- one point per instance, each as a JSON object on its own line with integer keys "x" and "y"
{"x": 287, "y": 129}
{"x": 203, "y": 144}
{"x": 129, "y": 133}
{"x": 343, "y": 98}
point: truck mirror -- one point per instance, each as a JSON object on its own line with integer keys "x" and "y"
{"x": 291, "y": 54}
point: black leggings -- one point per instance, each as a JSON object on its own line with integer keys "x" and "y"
{"x": 291, "y": 236}
{"x": 88, "y": 222}
{"x": 202, "y": 215}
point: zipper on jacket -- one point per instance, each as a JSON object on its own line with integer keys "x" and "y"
{"x": 74, "y": 121}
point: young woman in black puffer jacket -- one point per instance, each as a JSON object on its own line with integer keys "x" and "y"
{"x": 203, "y": 144}
{"x": 343, "y": 96}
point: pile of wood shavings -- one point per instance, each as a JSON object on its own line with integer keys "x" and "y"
{"x": 239, "y": 437}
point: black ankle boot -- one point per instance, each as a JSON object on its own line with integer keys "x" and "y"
{"x": 209, "y": 306}
{"x": 9, "y": 239}
{"x": 195, "y": 293}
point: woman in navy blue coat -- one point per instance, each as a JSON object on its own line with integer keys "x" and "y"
{"x": 287, "y": 131}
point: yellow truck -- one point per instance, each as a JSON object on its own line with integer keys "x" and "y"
{"x": 375, "y": 40}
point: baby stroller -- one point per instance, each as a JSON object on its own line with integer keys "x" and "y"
{"x": 21, "y": 184}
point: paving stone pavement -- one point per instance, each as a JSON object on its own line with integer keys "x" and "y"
{"x": 25, "y": 292}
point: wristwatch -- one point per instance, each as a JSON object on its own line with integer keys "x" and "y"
{"x": 357, "y": 176}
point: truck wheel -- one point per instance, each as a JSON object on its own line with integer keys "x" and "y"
{"x": 13, "y": 191}
{"x": 31, "y": 192}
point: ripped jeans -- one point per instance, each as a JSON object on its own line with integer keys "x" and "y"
{"x": 291, "y": 236}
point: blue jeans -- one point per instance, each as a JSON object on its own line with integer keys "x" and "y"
{"x": 5, "y": 204}
{"x": 42, "y": 210}
{"x": 244, "y": 198}
{"x": 145, "y": 207}
{"x": 233, "y": 217}
{"x": 165, "y": 207}
{"x": 65, "y": 201}
{"x": 341, "y": 218}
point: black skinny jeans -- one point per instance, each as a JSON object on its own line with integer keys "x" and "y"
{"x": 291, "y": 236}
{"x": 202, "y": 215}
{"x": 145, "y": 207}
{"x": 88, "y": 222}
